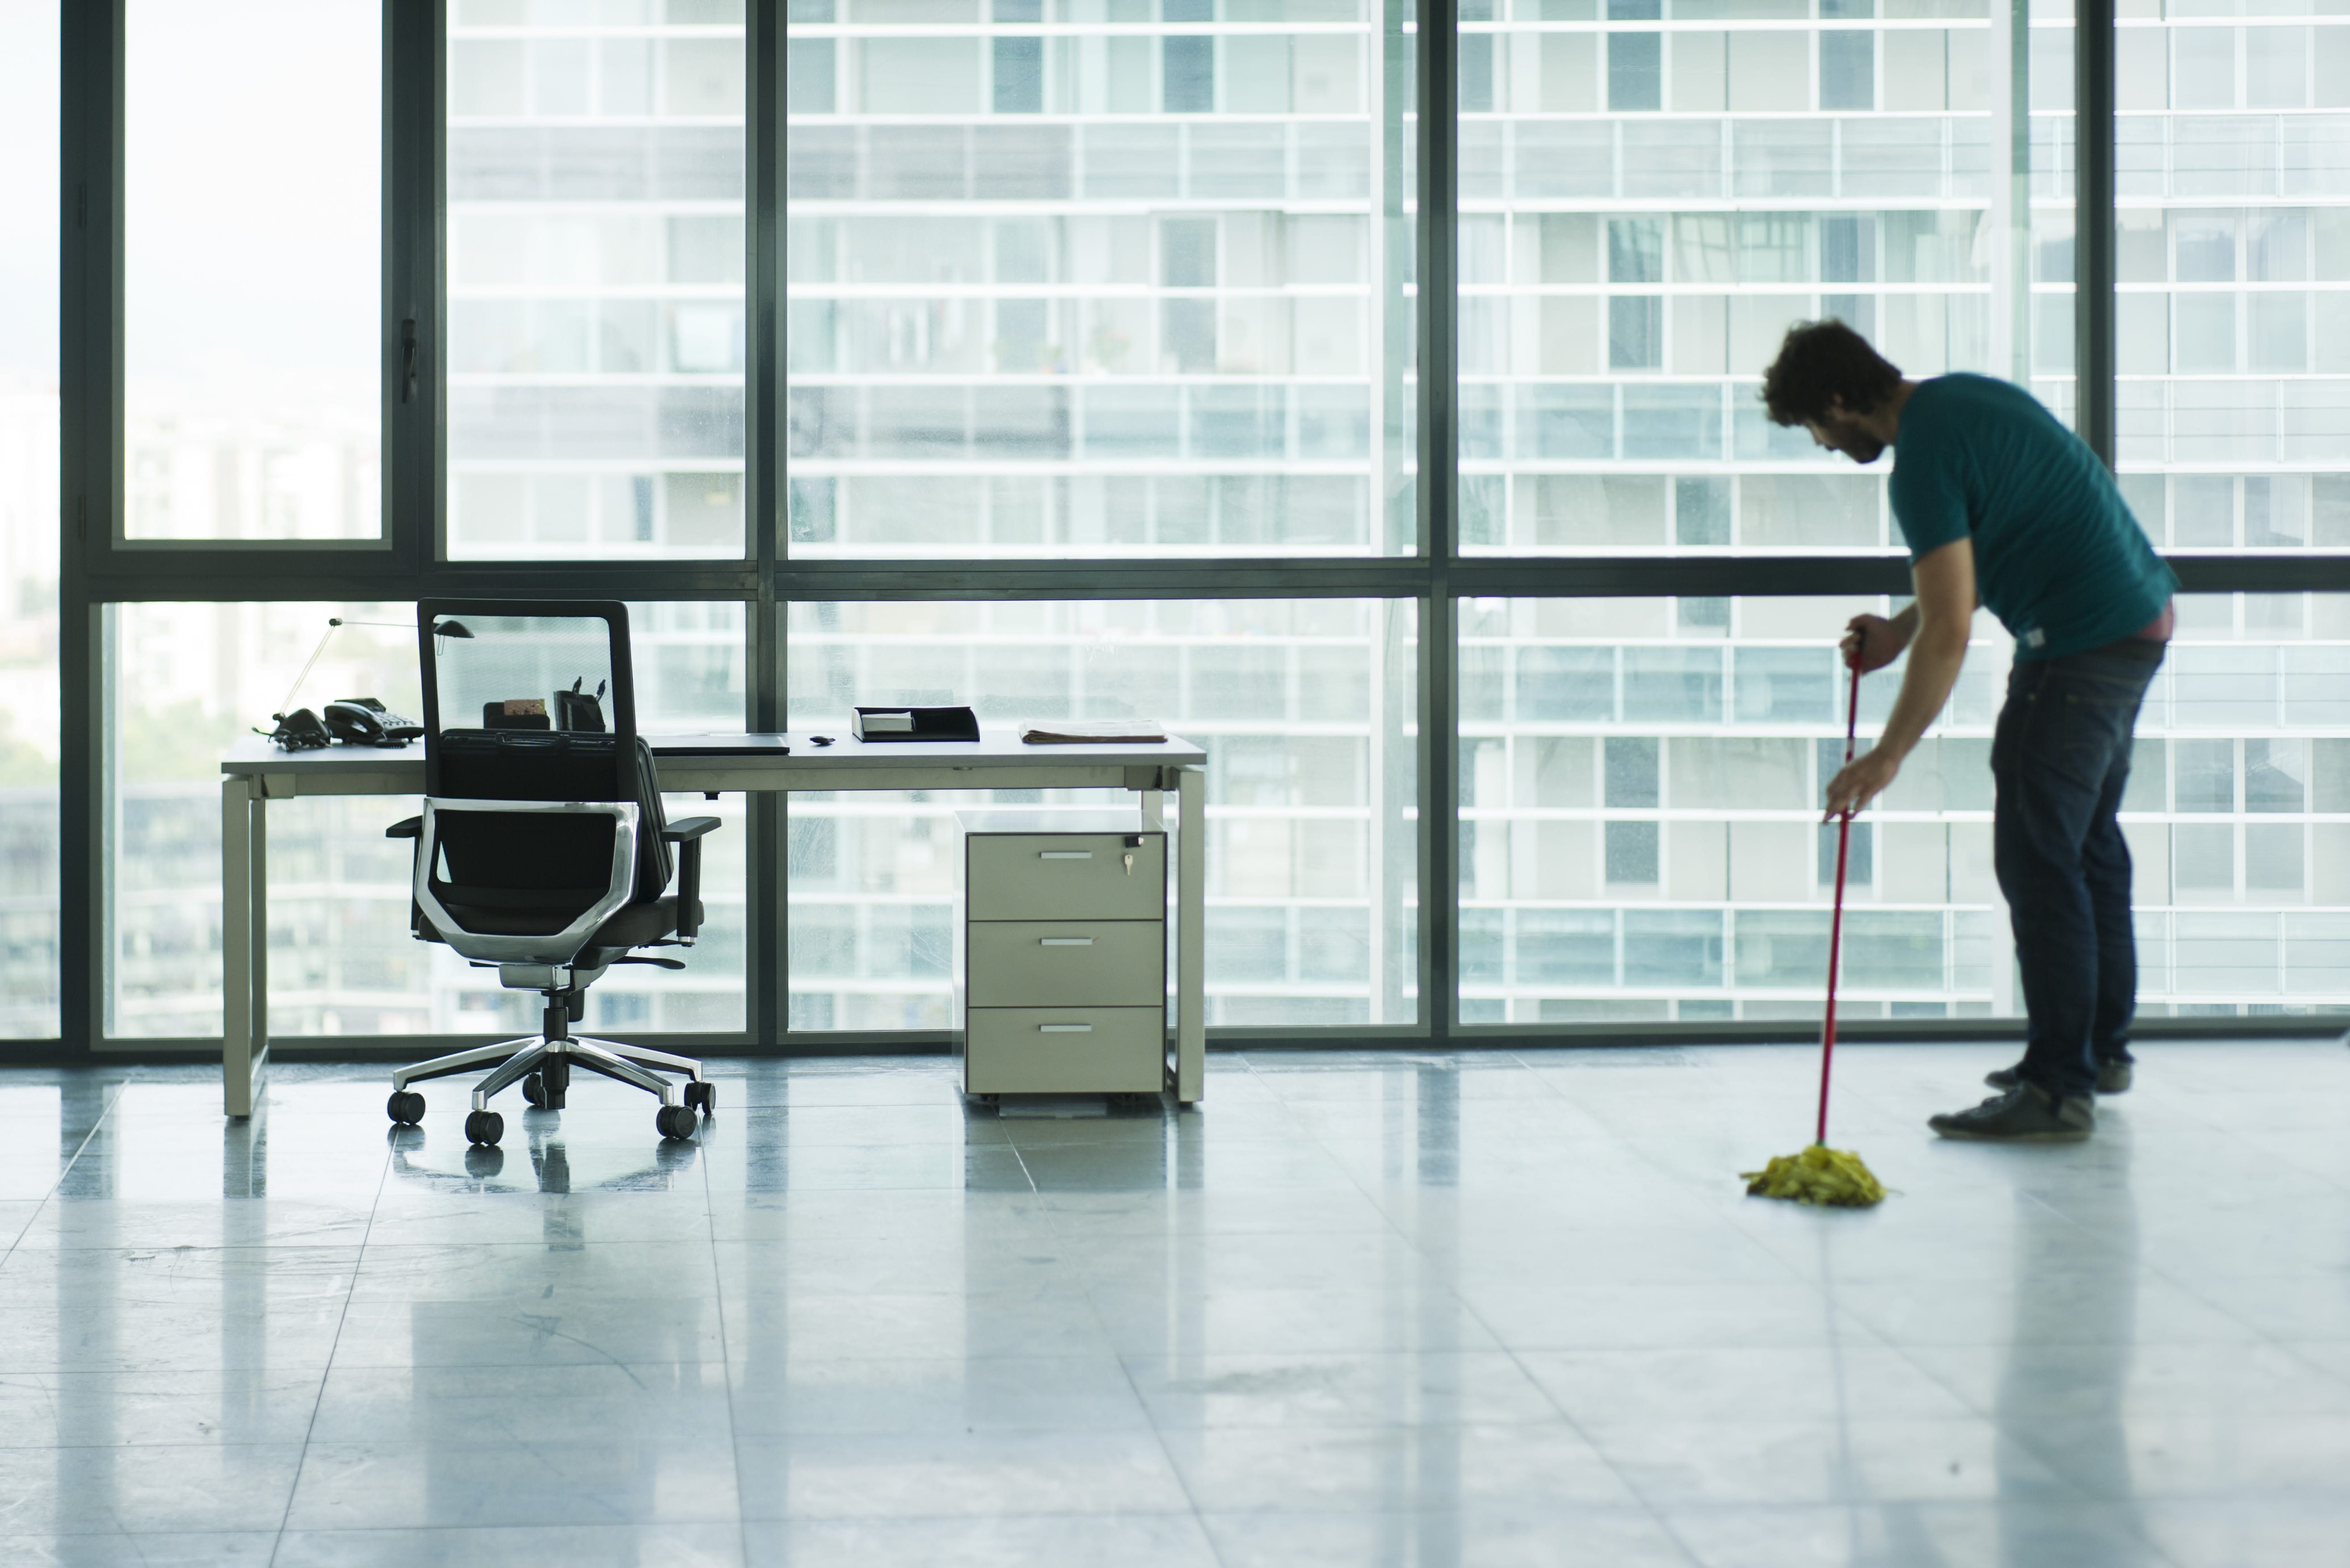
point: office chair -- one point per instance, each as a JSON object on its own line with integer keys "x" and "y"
{"x": 542, "y": 851}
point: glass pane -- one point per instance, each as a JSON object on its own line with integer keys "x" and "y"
{"x": 547, "y": 659}
{"x": 2234, "y": 214}
{"x": 190, "y": 679}
{"x": 1645, "y": 210}
{"x": 28, "y": 520}
{"x": 1303, "y": 708}
{"x": 1663, "y": 857}
{"x": 1100, "y": 282}
{"x": 2038, "y": 259}
{"x": 596, "y": 265}
{"x": 253, "y": 254}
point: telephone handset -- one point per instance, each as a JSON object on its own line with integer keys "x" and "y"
{"x": 299, "y": 732}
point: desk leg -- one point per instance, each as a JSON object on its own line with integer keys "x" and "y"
{"x": 1191, "y": 936}
{"x": 240, "y": 961}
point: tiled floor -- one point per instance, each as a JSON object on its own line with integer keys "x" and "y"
{"x": 1396, "y": 1309}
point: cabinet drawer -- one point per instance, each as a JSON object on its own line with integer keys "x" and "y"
{"x": 1064, "y": 1050}
{"x": 1072, "y": 963}
{"x": 1064, "y": 877}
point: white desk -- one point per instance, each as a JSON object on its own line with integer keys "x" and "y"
{"x": 256, "y": 773}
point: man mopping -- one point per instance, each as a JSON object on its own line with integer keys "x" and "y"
{"x": 2003, "y": 506}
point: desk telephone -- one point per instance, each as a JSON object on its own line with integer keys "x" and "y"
{"x": 353, "y": 720}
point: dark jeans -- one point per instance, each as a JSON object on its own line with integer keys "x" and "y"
{"x": 2059, "y": 761}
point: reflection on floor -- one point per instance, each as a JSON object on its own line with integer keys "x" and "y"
{"x": 1408, "y": 1309}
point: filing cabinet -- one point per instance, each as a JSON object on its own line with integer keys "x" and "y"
{"x": 1061, "y": 976}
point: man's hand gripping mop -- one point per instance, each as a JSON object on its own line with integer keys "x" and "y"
{"x": 1820, "y": 1174}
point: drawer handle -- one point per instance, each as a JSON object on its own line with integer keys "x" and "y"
{"x": 1065, "y": 855}
{"x": 1066, "y": 942}
{"x": 1064, "y": 1029}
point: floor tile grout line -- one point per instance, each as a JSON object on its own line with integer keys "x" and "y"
{"x": 1322, "y": 1147}
{"x": 1157, "y": 1433}
{"x": 2294, "y": 1349}
{"x": 302, "y": 1460}
{"x": 1463, "y": 1305}
{"x": 2187, "y": 1287}
{"x": 2001, "y": 1429}
{"x": 725, "y": 1348}
{"x": 2183, "y": 1285}
{"x": 49, "y": 1197}
{"x": 2003, "y": 1432}
{"x": 1647, "y": 1505}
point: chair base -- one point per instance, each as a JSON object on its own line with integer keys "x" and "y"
{"x": 552, "y": 1060}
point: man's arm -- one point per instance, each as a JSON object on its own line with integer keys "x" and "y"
{"x": 1939, "y": 618}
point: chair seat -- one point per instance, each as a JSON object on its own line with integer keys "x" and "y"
{"x": 631, "y": 926}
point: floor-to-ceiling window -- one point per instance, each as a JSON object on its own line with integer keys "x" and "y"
{"x": 1651, "y": 194}
{"x": 28, "y": 520}
{"x": 2232, "y": 251}
{"x": 1116, "y": 280}
{"x": 1064, "y": 358}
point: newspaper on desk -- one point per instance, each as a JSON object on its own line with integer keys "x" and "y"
{"x": 1094, "y": 733}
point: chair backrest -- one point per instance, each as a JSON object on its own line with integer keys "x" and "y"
{"x": 536, "y": 699}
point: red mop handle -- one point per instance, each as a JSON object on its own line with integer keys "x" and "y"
{"x": 1836, "y": 922}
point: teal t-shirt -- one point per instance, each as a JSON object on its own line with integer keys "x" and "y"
{"x": 2058, "y": 557}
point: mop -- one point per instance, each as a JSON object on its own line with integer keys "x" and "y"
{"x": 1822, "y": 1174}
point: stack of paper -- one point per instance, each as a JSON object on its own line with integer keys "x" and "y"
{"x": 1094, "y": 733}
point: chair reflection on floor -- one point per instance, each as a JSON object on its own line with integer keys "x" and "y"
{"x": 550, "y": 1162}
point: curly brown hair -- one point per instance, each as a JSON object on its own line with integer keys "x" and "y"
{"x": 1821, "y": 362}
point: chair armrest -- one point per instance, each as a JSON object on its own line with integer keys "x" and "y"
{"x": 410, "y": 827}
{"x": 687, "y": 833}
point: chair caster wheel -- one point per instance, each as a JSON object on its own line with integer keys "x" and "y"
{"x": 534, "y": 1089}
{"x": 406, "y": 1106}
{"x": 702, "y": 1096}
{"x": 674, "y": 1122}
{"x": 485, "y": 1126}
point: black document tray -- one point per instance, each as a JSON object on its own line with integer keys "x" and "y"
{"x": 930, "y": 724}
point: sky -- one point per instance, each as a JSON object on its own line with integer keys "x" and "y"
{"x": 29, "y": 190}
{"x": 252, "y": 159}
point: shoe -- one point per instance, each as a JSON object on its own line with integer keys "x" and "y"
{"x": 2025, "y": 1114}
{"x": 2113, "y": 1077}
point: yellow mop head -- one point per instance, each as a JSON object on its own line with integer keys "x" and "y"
{"x": 1834, "y": 1176}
